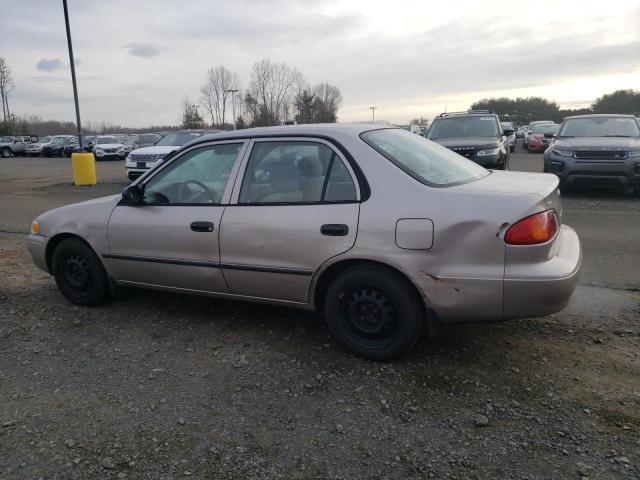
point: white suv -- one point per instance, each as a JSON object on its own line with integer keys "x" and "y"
{"x": 108, "y": 147}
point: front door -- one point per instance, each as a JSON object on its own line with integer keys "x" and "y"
{"x": 296, "y": 207}
{"x": 171, "y": 239}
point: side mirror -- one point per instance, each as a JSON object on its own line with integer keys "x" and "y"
{"x": 549, "y": 135}
{"x": 508, "y": 131}
{"x": 133, "y": 194}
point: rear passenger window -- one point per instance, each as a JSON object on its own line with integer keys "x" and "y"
{"x": 295, "y": 172}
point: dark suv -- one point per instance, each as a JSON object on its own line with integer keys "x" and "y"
{"x": 475, "y": 134}
{"x": 596, "y": 149}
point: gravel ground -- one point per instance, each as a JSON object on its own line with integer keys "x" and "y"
{"x": 168, "y": 386}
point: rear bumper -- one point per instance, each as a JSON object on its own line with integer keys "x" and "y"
{"x": 543, "y": 289}
{"x": 36, "y": 245}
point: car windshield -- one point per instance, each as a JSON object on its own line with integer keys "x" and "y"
{"x": 546, "y": 128}
{"x": 149, "y": 138}
{"x": 107, "y": 140}
{"x": 460, "y": 127}
{"x": 44, "y": 139}
{"x": 600, "y": 127}
{"x": 6, "y": 139}
{"x": 61, "y": 140}
{"x": 129, "y": 141}
{"x": 426, "y": 161}
{"x": 178, "y": 138}
{"x": 507, "y": 125}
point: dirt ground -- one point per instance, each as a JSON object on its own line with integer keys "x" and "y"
{"x": 165, "y": 386}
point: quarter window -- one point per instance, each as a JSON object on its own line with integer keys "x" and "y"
{"x": 197, "y": 177}
{"x": 295, "y": 172}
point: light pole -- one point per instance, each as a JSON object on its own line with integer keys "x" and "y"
{"x": 373, "y": 113}
{"x": 233, "y": 92}
{"x": 73, "y": 71}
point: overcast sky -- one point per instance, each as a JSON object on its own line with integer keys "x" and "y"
{"x": 138, "y": 59}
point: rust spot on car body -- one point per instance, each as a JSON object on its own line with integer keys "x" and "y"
{"x": 432, "y": 277}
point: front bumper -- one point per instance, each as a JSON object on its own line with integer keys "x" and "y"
{"x": 536, "y": 147}
{"x": 489, "y": 161}
{"x": 573, "y": 171}
{"x": 36, "y": 245}
{"x": 543, "y": 288}
{"x": 109, "y": 156}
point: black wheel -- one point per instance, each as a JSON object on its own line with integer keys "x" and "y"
{"x": 79, "y": 274}
{"x": 5, "y": 152}
{"x": 373, "y": 312}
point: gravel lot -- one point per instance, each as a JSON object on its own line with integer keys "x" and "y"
{"x": 167, "y": 386}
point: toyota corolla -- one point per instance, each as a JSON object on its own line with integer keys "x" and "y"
{"x": 385, "y": 232}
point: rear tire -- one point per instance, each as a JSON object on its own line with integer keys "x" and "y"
{"x": 79, "y": 274}
{"x": 5, "y": 152}
{"x": 373, "y": 312}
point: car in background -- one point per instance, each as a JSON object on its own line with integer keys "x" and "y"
{"x": 474, "y": 134}
{"x": 511, "y": 139}
{"x": 108, "y": 147}
{"x": 34, "y": 149}
{"x": 148, "y": 139}
{"x": 538, "y": 140}
{"x": 520, "y": 131}
{"x": 146, "y": 158}
{"x": 55, "y": 148}
{"x": 16, "y": 145}
{"x": 129, "y": 144}
{"x": 527, "y": 132}
{"x": 598, "y": 149}
{"x": 411, "y": 128}
{"x": 385, "y": 232}
{"x": 74, "y": 145}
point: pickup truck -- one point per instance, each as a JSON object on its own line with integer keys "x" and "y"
{"x": 15, "y": 145}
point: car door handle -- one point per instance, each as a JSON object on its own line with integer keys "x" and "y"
{"x": 202, "y": 226}
{"x": 334, "y": 229}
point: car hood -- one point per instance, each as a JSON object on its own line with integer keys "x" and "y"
{"x": 109, "y": 145}
{"x": 476, "y": 142}
{"x": 78, "y": 216}
{"x": 598, "y": 143}
{"x": 156, "y": 149}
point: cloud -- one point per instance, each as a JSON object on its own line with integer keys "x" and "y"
{"x": 49, "y": 64}
{"x": 142, "y": 49}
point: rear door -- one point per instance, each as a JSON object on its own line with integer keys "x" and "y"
{"x": 295, "y": 207}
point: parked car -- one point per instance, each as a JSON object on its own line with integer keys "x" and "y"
{"x": 108, "y": 147}
{"x": 148, "y": 139}
{"x": 141, "y": 160}
{"x": 596, "y": 149}
{"x": 386, "y": 233}
{"x": 475, "y": 134}
{"x": 34, "y": 149}
{"x": 520, "y": 131}
{"x": 74, "y": 145}
{"x": 527, "y": 132}
{"x": 129, "y": 144}
{"x": 538, "y": 141}
{"x": 16, "y": 145}
{"x": 55, "y": 148}
{"x": 511, "y": 139}
{"x": 411, "y": 128}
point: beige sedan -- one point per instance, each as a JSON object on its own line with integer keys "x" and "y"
{"x": 386, "y": 232}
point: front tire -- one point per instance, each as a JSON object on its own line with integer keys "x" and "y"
{"x": 5, "y": 153}
{"x": 79, "y": 274}
{"x": 373, "y": 312}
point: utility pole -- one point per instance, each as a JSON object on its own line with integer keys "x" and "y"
{"x": 233, "y": 92}
{"x": 73, "y": 72}
{"x": 373, "y": 113}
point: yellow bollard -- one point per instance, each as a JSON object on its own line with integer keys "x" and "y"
{"x": 84, "y": 168}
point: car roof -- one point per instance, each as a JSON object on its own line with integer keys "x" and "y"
{"x": 603, "y": 115}
{"x": 315, "y": 129}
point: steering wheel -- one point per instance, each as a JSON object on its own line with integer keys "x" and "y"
{"x": 185, "y": 192}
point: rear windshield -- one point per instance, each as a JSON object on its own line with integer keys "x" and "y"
{"x": 107, "y": 140}
{"x": 545, "y": 128}
{"x": 461, "y": 127}
{"x": 600, "y": 127}
{"x": 426, "y": 161}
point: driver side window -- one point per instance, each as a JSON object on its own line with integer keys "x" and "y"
{"x": 198, "y": 177}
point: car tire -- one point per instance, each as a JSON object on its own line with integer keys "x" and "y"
{"x": 373, "y": 312}
{"x": 512, "y": 148}
{"x": 5, "y": 152}
{"x": 79, "y": 274}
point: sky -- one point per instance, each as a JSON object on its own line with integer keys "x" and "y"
{"x": 137, "y": 60}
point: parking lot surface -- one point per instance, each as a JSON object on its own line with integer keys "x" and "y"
{"x": 154, "y": 385}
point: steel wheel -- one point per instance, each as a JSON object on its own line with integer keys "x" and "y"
{"x": 77, "y": 273}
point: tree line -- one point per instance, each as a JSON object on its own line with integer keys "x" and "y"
{"x": 523, "y": 110}
{"x": 276, "y": 94}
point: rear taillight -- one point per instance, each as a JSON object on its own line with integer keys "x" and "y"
{"x": 538, "y": 228}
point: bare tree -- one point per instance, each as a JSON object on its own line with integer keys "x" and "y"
{"x": 6, "y": 85}
{"x": 214, "y": 94}
{"x": 272, "y": 86}
{"x": 327, "y": 100}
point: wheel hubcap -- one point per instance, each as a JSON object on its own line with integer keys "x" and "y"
{"x": 76, "y": 272}
{"x": 369, "y": 316}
